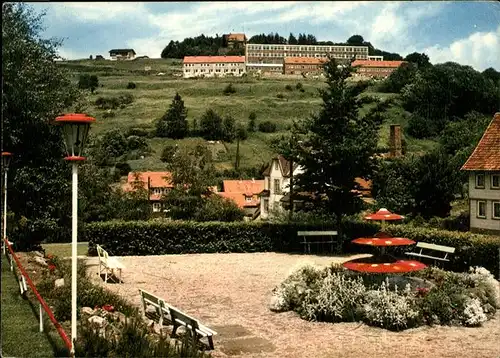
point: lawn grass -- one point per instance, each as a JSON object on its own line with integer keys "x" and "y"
{"x": 20, "y": 326}
{"x": 154, "y": 93}
{"x": 64, "y": 249}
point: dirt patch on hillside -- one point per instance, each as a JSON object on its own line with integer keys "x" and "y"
{"x": 230, "y": 293}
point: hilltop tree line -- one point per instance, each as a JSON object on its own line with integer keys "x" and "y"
{"x": 211, "y": 46}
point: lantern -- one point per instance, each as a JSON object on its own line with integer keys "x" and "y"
{"x": 75, "y": 129}
{"x": 6, "y": 160}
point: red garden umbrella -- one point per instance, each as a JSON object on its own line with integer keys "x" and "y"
{"x": 383, "y": 264}
{"x": 384, "y": 215}
{"x": 390, "y": 241}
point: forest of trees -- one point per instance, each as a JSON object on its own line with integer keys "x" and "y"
{"x": 211, "y": 46}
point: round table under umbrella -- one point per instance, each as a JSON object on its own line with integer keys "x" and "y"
{"x": 382, "y": 240}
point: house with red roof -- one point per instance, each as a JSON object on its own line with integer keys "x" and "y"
{"x": 375, "y": 68}
{"x": 213, "y": 66}
{"x": 245, "y": 193}
{"x": 484, "y": 181}
{"x": 156, "y": 183}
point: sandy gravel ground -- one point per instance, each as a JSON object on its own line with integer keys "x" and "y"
{"x": 230, "y": 293}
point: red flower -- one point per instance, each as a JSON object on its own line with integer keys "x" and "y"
{"x": 108, "y": 308}
{"x": 52, "y": 267}
{"x": 50, "y": 256}
{"x": 422, "y": 291}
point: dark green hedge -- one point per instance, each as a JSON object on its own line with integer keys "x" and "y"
{"x": 178, "y": 237}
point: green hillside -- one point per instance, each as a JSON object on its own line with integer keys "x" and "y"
{"x": 268, "y": 98}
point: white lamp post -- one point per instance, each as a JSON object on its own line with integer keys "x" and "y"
{"x": 76, "y": 129}
{"x": 5, "y": 165}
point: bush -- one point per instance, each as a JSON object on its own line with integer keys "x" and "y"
{"x": 123, "y": 168}
{"x": 267, "y": 127}
{"x": 299, "y": 86}
{"x": 140, "y": 132}
{"x": 280, "y": 96}
{"x": 288, "y": 88}
{"x": 131, "y": 85}
{"x": 229, "y": 89}
{"x": 137, "y": 143}
{"x": 390, "y": 309}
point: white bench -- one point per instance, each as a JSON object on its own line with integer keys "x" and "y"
{"x": 108, "y": 264}
{"x": 165, "y": 312}
{"x": 439, "y": 248}
{"x": 307, "y": 244}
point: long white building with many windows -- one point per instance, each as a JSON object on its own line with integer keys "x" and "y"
{"x": 213, "y": 66}
{"x": 270, "y": 57}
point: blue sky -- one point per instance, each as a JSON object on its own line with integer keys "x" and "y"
{"x": 461, "y": 31}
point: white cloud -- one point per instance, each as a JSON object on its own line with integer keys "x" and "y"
{"x": 68, "y": 54}
{"x": 96, "y": 11}
{"x": 479, "y": 50}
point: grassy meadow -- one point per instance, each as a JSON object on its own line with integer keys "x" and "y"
{"x": 154, "y": 93}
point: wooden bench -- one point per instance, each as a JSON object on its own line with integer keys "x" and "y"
{"x": 307, "y": 244}
{"x": 165, "y": 312}
{"x": 432, "y": 247}
{"x": 109, "y": 264}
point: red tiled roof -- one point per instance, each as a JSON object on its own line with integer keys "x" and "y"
{"x": 372, "y": 63}
{"x": 243, "y": 186}
{"x": 157, "y": 180}
{"x": 213, "y": 59}
{"x": 486, "y": 156}
{"x": 236, "y": 37}
{"x": 305, "y": 60}
{"x": 240, "y": 199}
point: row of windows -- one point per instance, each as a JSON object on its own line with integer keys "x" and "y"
{"x": 212, "y": 64}
{"x": 495, "y": 181}
{"x": 308, "y": 48}
{"x": 481, "y": 210}
{"x": 312, "y": 67}
{"x": 365, "y": 69}
{"x": 211, "y": 71}
{"x": 284, "y": 54}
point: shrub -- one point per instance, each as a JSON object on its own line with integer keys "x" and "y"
{"x": 280, "y": 96}
{"x": 140, "y": 132}
{"x": 267, "y": 127}
{"x": 302, "y": 90}
{"x": 299, "y": 86}
{"x": 290, "y": 294}
{"x": 137, "y": 143}
{"x": 338, "y": 299}
{"x": 288, "y": 88}
{"x": 229, "y": 89}
{"x": 131, "y": 85}
{"x": 123, "y": 168}
{"x": 390, "y": 309}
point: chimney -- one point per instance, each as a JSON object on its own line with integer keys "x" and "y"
{"x": 395, "y": 141}
{"x": 253, "y": 180}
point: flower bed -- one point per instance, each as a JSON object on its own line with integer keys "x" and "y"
{"x": 114, "y": 327}
{"x": 396, "y": 302}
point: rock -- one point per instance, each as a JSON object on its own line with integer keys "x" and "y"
{"x": 98, "y": 321}
{"x": 41, "y": 261}
{"x": 59, "y": 282}
{"x": 87, "y": 310}
{"x": 38, "y": 253}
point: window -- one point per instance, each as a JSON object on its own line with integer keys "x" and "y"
{"x": 495, "y": 181}
{"x": 496, "y": 210}
{"x": 156, "y": 207}
{"x": 277, "y": 189}
{"x": 479, "y": 180}
{"x": 268, "y": 183}
{"x": 157, "y": 191}
{"x": 276, "y": 165}
{"x": 481, "y": 209}
{"x": 248, "y": 199}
